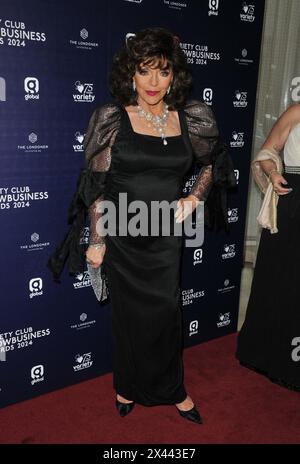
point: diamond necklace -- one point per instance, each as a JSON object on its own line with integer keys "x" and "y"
{"x": 158, "y": 122}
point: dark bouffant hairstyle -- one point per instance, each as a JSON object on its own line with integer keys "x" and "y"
{"x": 148, "y": 46}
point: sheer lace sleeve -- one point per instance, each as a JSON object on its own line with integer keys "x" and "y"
{"x": 204, "y": 135}
{"x": 216, "y": 173}
{"x": 102, "y": 127}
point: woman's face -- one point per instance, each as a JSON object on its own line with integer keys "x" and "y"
{"x": 152, "y": 83}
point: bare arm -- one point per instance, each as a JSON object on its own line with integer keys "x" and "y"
{"x": 276, "y": 141}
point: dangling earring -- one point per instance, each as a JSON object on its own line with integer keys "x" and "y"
{"x": 133, "y": 85}
{"x": 169, "y": 88}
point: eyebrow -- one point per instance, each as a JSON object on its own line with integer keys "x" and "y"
{"x": 165, "y": 68}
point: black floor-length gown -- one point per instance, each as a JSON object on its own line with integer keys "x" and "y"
{"x": 144, "y": 272}
{"x": 269, "y": 341}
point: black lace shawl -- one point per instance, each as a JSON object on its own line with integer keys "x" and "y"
{"x": 201, "y": 135}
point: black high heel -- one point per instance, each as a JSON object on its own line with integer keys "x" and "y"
{"x": 124, "y": 408}
{"x": 192, "y": 415}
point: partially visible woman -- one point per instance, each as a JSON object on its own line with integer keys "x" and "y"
{"x": 269, "y": 341}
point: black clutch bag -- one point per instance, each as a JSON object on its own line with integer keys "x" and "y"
{"x": 99, "y": 282}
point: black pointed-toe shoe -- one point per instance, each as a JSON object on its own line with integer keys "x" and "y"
{"x": 124, "y": 408}
{"x": 192, "y": 415}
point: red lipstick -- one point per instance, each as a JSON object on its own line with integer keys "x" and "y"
{"x": 151, "y": 92}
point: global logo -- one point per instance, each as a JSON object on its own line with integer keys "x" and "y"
{"x": 37, "y": 374}
{"x": 198, "y": 256}
{"x": 31, "y": 87}
{"x": 208, "y": 96}
{"x": 193, "y": 328}
{"x": 85, "y": 92}
{"x": 213, "y": 7}
{"x": 35, "y": 287}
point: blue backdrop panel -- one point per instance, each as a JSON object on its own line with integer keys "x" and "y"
{"x": 55, "y": 57}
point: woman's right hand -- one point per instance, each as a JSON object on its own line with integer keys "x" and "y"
{"x": 95, "y": 256}
{"x": 278, "y": 180}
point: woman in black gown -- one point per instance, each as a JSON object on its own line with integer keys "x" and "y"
{"x": 131, "y": 152}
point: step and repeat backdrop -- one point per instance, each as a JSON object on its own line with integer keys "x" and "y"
{"x": 54, "y": 60}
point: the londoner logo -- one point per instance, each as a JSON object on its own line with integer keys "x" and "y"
{"x": 176, "y": 4}
{"x": 84, "y": 34}
{"x": 2, "y": 89}
{"x": 240, "y": 99}
{"x": 84, "y": 92}
{"x": 83, "y": 43}
{"x": 33, "y": 147}
{"x": 237, "y": 140}
{"x": 31, "y": 87}
{"x": 227, "y": 287}
{"x": 247, "y": 13}
{"x": 35, "y": 243}
{"x": 84, "y": 322}
{"x": 213, "y": 6}
{"x": 244, "y": 60}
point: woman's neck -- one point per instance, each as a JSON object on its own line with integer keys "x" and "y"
{"x": 156, "y": 109}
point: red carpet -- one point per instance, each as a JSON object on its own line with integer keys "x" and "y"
{"x": 238, "y": 407}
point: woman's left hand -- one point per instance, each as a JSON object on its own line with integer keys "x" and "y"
{"x": 185, "y": 207}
